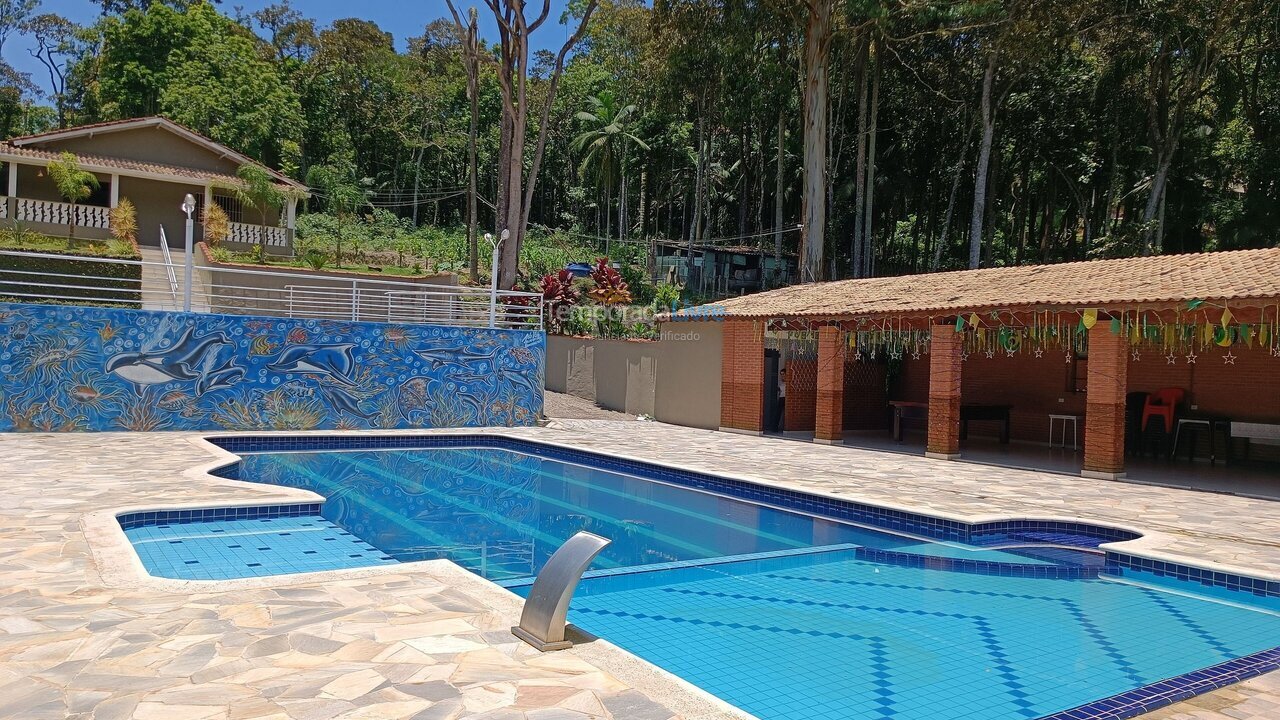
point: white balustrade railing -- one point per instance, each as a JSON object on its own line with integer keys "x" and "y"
{"x": 245, "y": 291}
{"x": 60, "y": 213}
{"x": 4, "y": 208}
{"x": 253, "y": 234}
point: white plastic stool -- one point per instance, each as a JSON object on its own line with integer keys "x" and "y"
{"x": 1073, "y": 419}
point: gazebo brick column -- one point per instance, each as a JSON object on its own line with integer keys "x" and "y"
{"x": 945, "y": 349}
{"x": 742, "y": 377}
{"x": 828, "y": 423}
{"x": 1105, "y": 403}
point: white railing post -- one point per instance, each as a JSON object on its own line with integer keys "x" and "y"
{"x": 355, "y": 300}
{"x": 186, "y": 270}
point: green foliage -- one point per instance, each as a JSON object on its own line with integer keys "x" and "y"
{"x": 117, "y": 275}
{"x": 315, "y": 259}
{"x": 124, "y": 222}
{"x": 666, "y": 296}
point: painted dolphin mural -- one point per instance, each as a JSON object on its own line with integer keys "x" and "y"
{"x": 333, "y": 361}
{"x": 343, "y": 401}
{"x": 176, "y": 363}
{"x": 441, "y": 356}
{"x": 224, "y": 376}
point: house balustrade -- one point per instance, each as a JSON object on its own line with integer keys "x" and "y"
{"x": 253, "y": 234}
{"x": 60, "y": 213}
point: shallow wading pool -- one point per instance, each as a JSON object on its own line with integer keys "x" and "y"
{"x": 783, "y": 604}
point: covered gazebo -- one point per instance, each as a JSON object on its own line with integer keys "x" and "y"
{"x": 1106, "y": 349}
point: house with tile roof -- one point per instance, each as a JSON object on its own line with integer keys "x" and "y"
{"x": 1114, "y": 359}
{"x": 152, "y": 161}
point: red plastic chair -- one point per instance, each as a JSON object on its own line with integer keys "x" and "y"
{"x": 1162, "y": 404}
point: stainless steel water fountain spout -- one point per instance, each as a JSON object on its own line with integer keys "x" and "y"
{"x": 542, "y": 622}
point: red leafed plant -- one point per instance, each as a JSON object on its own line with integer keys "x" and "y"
{"x": 558, "y": 295}
{"x": 610, "y": 288}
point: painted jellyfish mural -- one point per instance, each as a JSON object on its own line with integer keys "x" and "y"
{"x": 76, "y": 369}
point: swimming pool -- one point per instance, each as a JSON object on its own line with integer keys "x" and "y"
{"x": 784, "y": 604}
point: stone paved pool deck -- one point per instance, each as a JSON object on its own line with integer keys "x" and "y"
{"x": 84, "y": 635}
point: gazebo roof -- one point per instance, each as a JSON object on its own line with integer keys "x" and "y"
{"x": 1163, "y": 279}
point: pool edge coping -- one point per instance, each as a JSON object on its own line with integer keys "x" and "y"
{"x": 612, "y": 658}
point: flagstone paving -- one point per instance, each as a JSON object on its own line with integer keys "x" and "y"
{"x": 80, "y": 638}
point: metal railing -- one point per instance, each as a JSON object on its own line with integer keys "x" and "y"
{"x": 24, "y": 277}
{"x": 168, "y": 261}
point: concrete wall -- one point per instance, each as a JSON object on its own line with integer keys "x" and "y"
{"x": 193, "y": 371}
{"x": 676, "y": 379}
{"x": 152, "y": 145}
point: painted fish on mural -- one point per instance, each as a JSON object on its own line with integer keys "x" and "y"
{"x": 333, "y": 361}
{"x": 297, "y": 336}
{"x": 262, "y": 345}
{"x": 177, "y": 363}
{"x": 179, "y": 402}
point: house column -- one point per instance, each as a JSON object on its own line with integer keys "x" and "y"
{"x": 13, "y": 179}
{"x": 828, "y": 425}
{"x": 115, "y": 190}
{"x": 291, "y": 212}
{"x": 1107, "y": 384}
{"x": 742, "y": 377}
{"x": 945, "y": 349}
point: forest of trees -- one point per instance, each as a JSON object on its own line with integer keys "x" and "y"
{"x": 871, "y": 137}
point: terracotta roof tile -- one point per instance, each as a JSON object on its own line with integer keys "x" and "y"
{"x": 1171, "y": 279}
{"x": 114, "y": 163}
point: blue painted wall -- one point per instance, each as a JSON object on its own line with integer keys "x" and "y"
{"x": 65, "y": 369}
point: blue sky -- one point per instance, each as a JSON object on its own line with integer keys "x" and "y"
{"x": 402, "y": 18}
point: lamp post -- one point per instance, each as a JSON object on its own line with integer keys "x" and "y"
{"x": 188, "y": 207}
{"x": 493, "y": 275}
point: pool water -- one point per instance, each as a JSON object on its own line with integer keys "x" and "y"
{"x": 502, "y": 513}
{"x": 783, "y": 614}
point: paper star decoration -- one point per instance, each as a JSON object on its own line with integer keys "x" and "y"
{"x": 964, "y": 357}
{"x": 1275, "y": 351}
{"x": 915, "y": 355}
{"x": 1136, "y": 355}
{"x": 1191, "y": 359}
{"x": 1039, "y": 352}
{"x": 1068, "y": 358}
{"x": 1171, "y": 359}
{"x": 1229, "y": 359}
{"x": 1009, "y": 353}
{"x": 991, "y": 354}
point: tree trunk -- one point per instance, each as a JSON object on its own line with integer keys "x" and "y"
{"x": 860, "y": 162}
{"x": 779, "y": 189}
{"x": 817, "y": 49}
{"x": 473, "y": 93}
{"x": 868, "y": 261}
{"x": 945, "y": 236}
{"x": 699, "y": 180}
{"x": 984, "y": 162}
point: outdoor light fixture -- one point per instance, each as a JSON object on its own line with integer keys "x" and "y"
{"x": 188, "y": 207}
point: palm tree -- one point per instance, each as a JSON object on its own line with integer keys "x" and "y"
{"x": 606, "y": 142}
{"x": 74, "y": 185}
{"x": 257, "y": 190}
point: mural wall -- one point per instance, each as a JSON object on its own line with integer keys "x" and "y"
{"x": 67, "y": 369}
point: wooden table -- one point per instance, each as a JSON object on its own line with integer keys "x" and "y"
{"x": 902, "y": 408}
{"x": 997, "y": 413}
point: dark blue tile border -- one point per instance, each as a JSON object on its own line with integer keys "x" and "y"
{"x": 1027, "y": 532}
{"x": 979, "y": 567}
{"x": 144, "y": 518}
{"x": 1167, "y": 692}
{"x": 1083, "y": 535}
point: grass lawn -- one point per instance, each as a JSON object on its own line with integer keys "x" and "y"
{"x": 297, "y": 263}
{"x": 36, "y": 242}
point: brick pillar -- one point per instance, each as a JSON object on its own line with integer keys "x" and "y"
{"x": 1108, "y": 382}
{"x": 944, "y": 393}
{"x": 742, "y": 377}
{"x": 828, "y": 423}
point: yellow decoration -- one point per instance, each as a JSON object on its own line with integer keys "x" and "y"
{"x": 1090, "y": 319}
{"x": 1226, "y": 317}
{"x": 973, "y": 320}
